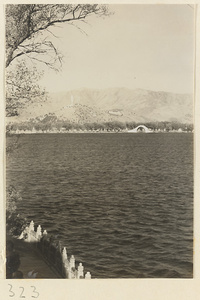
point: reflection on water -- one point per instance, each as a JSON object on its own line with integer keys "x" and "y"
{"x": 121, "y": 203}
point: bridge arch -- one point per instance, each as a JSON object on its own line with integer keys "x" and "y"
{"x": 141, "y": 128}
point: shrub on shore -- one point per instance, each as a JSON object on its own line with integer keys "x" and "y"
{"x": 14, "y": 222}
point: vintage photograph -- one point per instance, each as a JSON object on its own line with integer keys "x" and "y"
{"x": 99, "y": 140}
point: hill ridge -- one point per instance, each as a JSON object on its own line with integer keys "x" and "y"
{"x": 110, "y": 104}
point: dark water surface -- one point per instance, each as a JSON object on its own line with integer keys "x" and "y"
{"x": 121, "y": 203}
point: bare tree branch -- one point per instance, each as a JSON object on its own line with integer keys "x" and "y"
{"x": 27, "y": 27}
{"x": 24, "y": 22}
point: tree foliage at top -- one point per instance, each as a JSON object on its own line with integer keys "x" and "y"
{"x": 25, "y": 25}
{"x": 27, "y": 30}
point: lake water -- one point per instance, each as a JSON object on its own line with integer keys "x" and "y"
{"x": 121, "y": 203}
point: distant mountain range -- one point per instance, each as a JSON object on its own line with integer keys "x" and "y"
{"x": 122, "y": 104}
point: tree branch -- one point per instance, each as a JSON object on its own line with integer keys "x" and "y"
{"x": 33, "y": 19}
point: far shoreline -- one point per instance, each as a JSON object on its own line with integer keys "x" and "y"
{"x": 96, "y": 132}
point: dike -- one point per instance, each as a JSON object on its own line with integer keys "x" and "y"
{"x": 32, "y": 264}
{"x": 42, "y": 256}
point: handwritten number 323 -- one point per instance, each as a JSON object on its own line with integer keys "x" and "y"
{"x": 35, "y": 294}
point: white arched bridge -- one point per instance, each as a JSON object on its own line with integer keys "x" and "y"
{"x": 141, "y": 128}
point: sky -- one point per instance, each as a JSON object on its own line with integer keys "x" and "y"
{"x": 138, "y": 46}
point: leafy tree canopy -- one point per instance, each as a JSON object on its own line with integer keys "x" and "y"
{"x": 22, "y": 87}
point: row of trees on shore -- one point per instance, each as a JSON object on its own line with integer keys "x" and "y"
{"x": 51, "y": 123}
